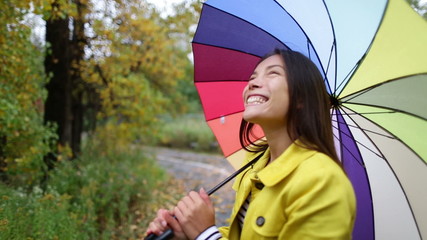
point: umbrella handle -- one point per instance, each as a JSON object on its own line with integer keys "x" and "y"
{"x": 168, "y": 234}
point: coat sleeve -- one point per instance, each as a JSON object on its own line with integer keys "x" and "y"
{"x": 224, "y": 232}
{"x": 319, "y": 205}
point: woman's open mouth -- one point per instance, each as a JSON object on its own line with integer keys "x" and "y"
{"x": 256, "y": 99}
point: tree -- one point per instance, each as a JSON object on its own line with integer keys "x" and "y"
{"x": 139, "y": 61}
{"x": 64, "y": 104}
{"x": 24, "y": 139}
{"x": 111, "y": 70}
{"x": 58, "y": 65}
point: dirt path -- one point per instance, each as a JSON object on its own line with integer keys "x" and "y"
{"x": 197, "y": 170}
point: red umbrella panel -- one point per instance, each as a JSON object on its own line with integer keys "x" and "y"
{"x": 223, "y": 109}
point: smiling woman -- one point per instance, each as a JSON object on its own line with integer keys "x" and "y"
{"x": 375, "y": 96}
{"x": 297, "y": 189}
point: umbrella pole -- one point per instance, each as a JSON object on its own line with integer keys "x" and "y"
{"x": 168, "y": 234}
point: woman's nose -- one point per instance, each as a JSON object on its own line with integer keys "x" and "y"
{"x": 254, "y": 83}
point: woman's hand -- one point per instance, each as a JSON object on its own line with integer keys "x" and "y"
{"x": 163, "y": 221}
{"x": 195, "y": 213}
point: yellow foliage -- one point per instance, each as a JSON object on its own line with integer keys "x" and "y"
{"x": 133, "y": 67}
{"x": 138, "y": 64}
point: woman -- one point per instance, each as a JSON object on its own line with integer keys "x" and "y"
{"x": 297, "y": 189}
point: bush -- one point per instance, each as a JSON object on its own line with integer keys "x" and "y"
{"x": 104, "y": 194}
{"x": 36, "y": 215}
{"x": 187, "y": 131}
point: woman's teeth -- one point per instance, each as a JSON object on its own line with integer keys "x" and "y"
{"x": 256, "y": 100}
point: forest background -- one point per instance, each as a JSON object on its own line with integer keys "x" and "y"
{"x": 108, "y": 77}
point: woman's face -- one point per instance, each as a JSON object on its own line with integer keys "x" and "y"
{"x": 266, "y": 97}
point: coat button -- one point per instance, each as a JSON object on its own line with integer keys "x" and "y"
{"x": 259, "y": 185}
{"x": 260, "y": 221}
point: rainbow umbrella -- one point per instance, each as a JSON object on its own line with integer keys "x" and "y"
{"x": 373, "y": 56}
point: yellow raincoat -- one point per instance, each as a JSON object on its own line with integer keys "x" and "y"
{"x": 301, "y": 195}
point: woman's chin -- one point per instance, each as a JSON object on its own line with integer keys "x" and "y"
{"x": 251, "y": 117}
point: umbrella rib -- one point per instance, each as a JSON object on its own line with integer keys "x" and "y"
{"x": 380, "y": 155}
{"x": 362, "y": 58}
{"x": 391, "y": 110}
{"x": 349, "y": 74}
{"x": 334, "y": 46}
{"x": 367, "y": 89}
{"x": 225, "y": 115}
{"x": 393, "y": 136}
{"x": 367, "y": 113}
{"x": 342, "y": 132}
{"x": 354, "y": 157}
{"x": 228, "y": 48}
{"x": 364, "y": 129}
{"x": 309, "y": 42}
{"x": 327, "y": 67}
{"x": 230, "y": 14}
{"x": 345, "y": 147}
{"x": 363, "y": 91}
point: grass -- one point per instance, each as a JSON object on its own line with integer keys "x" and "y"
{"x": 112, "y": 191}
{"x": 187, "y": 132}
{"x": 107, "y": 193}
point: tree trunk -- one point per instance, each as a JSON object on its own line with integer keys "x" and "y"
{"x": 3, "y": 164}
{"x": 57, "y": 63}
{"x": 64, "y": 104}
{"x": 78, "y": 43}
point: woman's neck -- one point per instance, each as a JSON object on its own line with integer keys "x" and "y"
{"x": 278, "y": 140}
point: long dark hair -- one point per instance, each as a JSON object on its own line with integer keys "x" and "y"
{"x": 309, "y": 118}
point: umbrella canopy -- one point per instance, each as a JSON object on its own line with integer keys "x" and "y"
{"x": 372, "y": 55}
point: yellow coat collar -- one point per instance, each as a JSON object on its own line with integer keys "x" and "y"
{"x": 280, "y": 168}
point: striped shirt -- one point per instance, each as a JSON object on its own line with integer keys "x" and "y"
{"x": 242, "y": 212}
{"x": 211, "y": 233}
